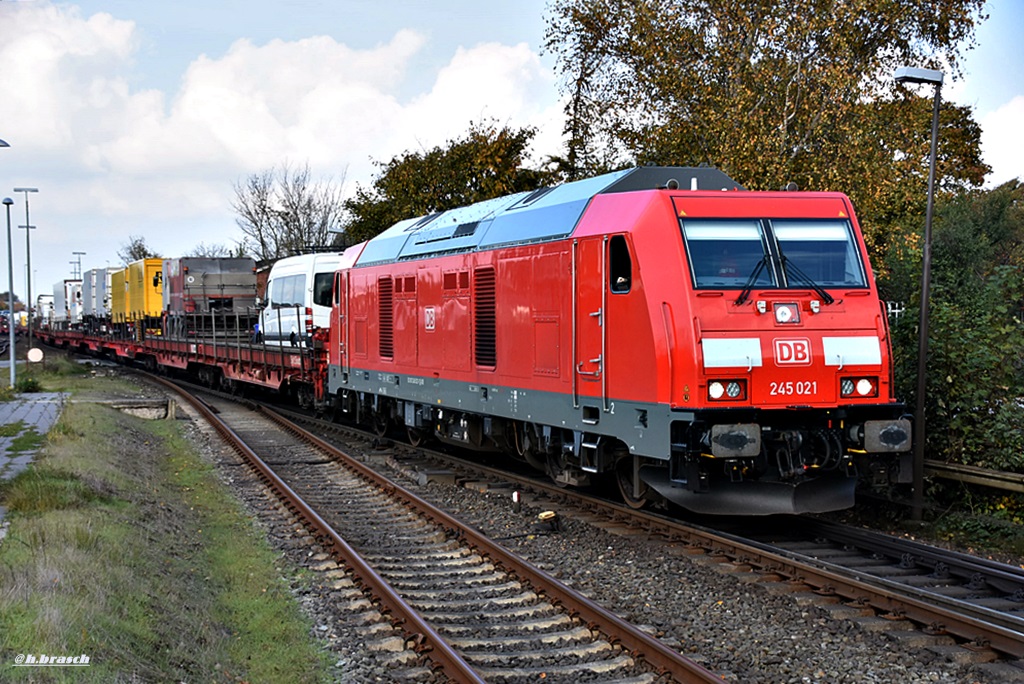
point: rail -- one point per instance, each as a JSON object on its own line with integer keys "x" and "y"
{"x": 886, "y": 597}
{"x": 1011, "y": 482}
{"x": 654, "y": 652}
{"x": 633, "y": 639}
{"x": 439, "y": 651}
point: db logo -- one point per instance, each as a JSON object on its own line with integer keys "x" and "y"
{"x": 793, "y": 352}
{"x": 429, "y": 318}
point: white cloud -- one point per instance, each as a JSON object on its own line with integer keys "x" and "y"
{"x": 1002, "y": 142}
{"x": 58, "y": 66}
{"x": 161, "y": 164}
{"x": 319, "y": 100}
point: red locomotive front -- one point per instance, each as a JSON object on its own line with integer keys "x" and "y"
{"x": 722, "y": 348}
{"x": 777, "y": 349}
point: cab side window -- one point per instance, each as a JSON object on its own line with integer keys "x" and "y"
{"x": 620, "y": 265}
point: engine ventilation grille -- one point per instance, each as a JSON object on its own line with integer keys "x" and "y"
{"x": 386, "y": 317}
{"x": 485, "y": 320}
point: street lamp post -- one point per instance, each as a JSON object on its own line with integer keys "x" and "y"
{"x": 28, "y": 259}
{"x": 934, "y": 78}
{"x": 10, "y": 290}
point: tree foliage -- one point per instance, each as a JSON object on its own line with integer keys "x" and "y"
{"x": 803, "y": 91}
{"x": 975, "y": 379}
{"x": 487, "y": 162}
{"x": 283, "y": 211}
{"x": 5, "y": 297}
{"x": 769, "y": 92}
{"x": 135, "y": 249}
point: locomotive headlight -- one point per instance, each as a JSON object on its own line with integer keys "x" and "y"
{"x": 716, "y": 390}
{"x": 858, "y": 387}
{"x": 726, "y": 390}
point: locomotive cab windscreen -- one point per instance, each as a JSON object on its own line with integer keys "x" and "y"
{"x": 772, "y": 253}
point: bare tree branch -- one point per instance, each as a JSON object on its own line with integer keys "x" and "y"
{"x": 283, "y": 211}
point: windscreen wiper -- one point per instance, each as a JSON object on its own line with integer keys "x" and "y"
{"x": 745, "y": 292}
{"x": 789, "y": 267}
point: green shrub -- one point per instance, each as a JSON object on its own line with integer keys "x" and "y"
{"x": 26, "y": 384}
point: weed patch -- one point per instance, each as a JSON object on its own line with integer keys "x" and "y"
{"x": 28, "y": 384}
{"x": 133, "y": 554}
{"x": 12, "y": 429}
{"x": 42, "y": 489}
{"x": 29, "y": 440}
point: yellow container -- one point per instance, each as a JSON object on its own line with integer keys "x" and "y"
{"x": 119, "y": 296}
{"x": 145, "y": 288}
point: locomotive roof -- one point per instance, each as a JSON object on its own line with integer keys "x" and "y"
{"x": 544, "y": 214}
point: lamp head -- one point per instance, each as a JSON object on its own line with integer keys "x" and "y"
{"x": 3, "y": 143}
{"x": 8, "y": 201}
{"x": 914, "y": 75}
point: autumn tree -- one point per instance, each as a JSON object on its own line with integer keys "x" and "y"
{"x": 5, "y": 298}
{"x": 135, "y": 249}
{"x": 976, "y": 341}
{"x": 769, "y": 92}
{"x": 487, "y": 162}
{"x": 284, "y": 211}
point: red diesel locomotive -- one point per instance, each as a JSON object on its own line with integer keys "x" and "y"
{"x": 722, "y": 349}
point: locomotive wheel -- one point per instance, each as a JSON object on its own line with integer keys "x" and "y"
{"x": 416, "y": 436}
{"x": 556, "y": 466}
{"x": 380, "y": 424}
{"x": 624, "y": 476}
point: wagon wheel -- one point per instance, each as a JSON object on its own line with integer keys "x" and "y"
{"x": 624, "y": 477}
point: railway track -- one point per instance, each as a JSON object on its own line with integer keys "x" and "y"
{"x": 877, "y": 604}
{"x": 959, "y": 600}
{"x": 989, "y": 596}
{"x": 469, "y": 609}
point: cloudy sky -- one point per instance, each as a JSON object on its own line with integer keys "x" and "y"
{"x": 136, "y": 117}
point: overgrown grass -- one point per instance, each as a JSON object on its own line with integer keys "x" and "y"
{"x": 124, "y": 546}
{"x": 59, "y": 373}
{"x": 30, "y": 440}
{"x": 983, "y": 521}
{"x": 12, "y": 429}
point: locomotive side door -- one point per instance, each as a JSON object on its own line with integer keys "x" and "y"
{"x": 589, "y": 307}
{"x": 339, "y": 322}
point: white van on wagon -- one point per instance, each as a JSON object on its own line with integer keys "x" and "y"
{"x": 298, "y": 291}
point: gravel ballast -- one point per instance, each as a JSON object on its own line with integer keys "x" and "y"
{"x": 744, "y": 629}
